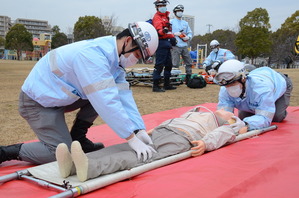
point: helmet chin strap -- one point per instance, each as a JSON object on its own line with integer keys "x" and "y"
{"x": 243, "y": 88}
{"x": 129, "y": 51}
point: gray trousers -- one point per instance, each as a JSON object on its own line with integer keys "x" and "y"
{"x": 176, "y": 53}
{"x": 50, "y": 127}
{"x": 122, "y": 156}
{"x": 281, "y": 104}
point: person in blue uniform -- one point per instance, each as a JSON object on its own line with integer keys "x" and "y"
{"x": 216, "y": 57}
{"x": 89, "y": 76}
{"x": 183, "y": 35}
{"x": 261, "y": 96}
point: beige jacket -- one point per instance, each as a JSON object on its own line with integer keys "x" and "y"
{"x": 204, "y": 126}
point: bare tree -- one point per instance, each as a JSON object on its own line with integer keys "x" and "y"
{"x": 109, "y": 23}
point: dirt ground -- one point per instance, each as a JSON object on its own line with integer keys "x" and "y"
{"x": 15, "y": 129}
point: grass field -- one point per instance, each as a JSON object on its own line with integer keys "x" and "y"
{"x": 15, "y": 129}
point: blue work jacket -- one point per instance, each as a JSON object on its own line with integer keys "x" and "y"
{"x": 89, "y": 70}
{"x": 263, "y": 87}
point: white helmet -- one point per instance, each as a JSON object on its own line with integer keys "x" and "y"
{"x": 179, "y": 7}
{"x": 161, "y": 2}
{"x": 229, "y": 72}
{"x": 146, "y": 37}
{"x": 214, "y": 44}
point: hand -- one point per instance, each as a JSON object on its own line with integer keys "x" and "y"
{"x": 238, "y": 124}
{"x": 149, "y": 132}
{"x": 207, "y": 68}
{"x": 204, "y": 66}
{"x": 173, "y": 41}
{"x": 140, "y": 148}
{"x": 199, "y": 149}
{"x": 165, "y": 30}
{"x": 177, "y": 33}
{"x": 143, "y": 136}
{"x": 212, "y": 72}
{"x": 216, "y": 65}
{"x": 186, "y": 38}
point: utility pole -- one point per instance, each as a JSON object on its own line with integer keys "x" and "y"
{"x": 209, "y": 30}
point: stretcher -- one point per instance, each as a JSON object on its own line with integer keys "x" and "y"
{"x": 47, "y": 175}
{"x": 208, "y": 78}
{"x": 145, "y": 76}
{"x": 263, "y": 166}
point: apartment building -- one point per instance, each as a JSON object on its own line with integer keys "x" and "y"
{"x": 191, "y": 21}
{"x": 5, "y": 24}
{"x": 35, "y": 27}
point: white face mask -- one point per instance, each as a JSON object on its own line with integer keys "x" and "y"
{"x": 162, "y": 9}
{"x": 215, "y": 49}
{"x": 179, "y": 14}
{"x": 128, "y": 62}
{"x": 235, "y": 91}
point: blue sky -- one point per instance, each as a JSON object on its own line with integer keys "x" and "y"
{"x": 220, "y": 14}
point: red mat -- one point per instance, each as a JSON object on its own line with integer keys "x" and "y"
{"x": 263, "y": 166}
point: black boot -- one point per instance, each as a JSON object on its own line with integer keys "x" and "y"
{"x": 156, "y": 87}
{"x": 10, "y": 152}
{"x": 188, "y": 76}
{"x": 78, "y": 133}
{"x": 167, "y": 85}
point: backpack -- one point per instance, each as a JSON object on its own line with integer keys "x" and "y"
{"x": 197, "y": 81}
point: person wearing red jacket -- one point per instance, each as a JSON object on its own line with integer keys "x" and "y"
{"x": 166, "y": 41}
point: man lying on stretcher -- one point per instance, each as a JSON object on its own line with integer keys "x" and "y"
{"x": 197, "y": 130}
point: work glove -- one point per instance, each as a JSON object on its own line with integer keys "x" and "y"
{"x": 173, "y": 41}
{"x": 238, "y": 124}
{"x": 140, "y": 148}
{"x": 144, "y": 137}
{"x": 165, "y": 30}
{"x": 186, "y": 38}
{"x": 216, "y": 65}
{"x": 212, "y": 72}
{"x": 207, "y": 68}
{"x": 177, "y": 33}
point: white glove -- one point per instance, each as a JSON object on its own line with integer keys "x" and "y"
{"x": 212, "y": 72}
{"x": 238, "y": 124}
{"x": 204, "y": 66}
{"x": 215, "y": 64}
{"x": 186, "y": 38}
{"x": 144, "y": 137}
{"x": 177, "y": 34}
{"x": 140, "y": 148}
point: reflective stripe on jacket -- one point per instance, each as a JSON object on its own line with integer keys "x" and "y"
{"x": 160, "y": 21}
{"x": 222, "y": 55}
{"x": 89, "y": 70}
{"x": 263, "y": 87}
{"x": 181, "y": 26}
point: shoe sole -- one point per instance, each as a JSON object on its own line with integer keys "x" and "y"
{"x": 80, "y": 161}
{"x": 64, "y": 160}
